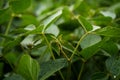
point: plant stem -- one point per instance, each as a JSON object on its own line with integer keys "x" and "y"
{"x": 78, "y": 45}
{"x": 74, "y": 54}
{"x": 8, "y": 27}
{"x": 77, "y": 18}
{"x": 64, "y": 54}
{"x": 82, "y": 67}
{"x": 6, "y": 33}
{"x": 61, "y": 75}
{"x": 49, "y": 46}
{"x": 69, "y": 71}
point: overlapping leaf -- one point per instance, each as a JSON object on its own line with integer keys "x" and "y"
{"x": 85, "y": 24}
{"x": 109, "y": 31}
{"x": 50, "y": 67}
{"x": 28, "y": 68}
{"x": 113, "y": 66}
{"x": 92, "y": 50}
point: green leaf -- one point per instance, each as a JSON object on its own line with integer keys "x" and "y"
{"x": 111, "y": 48}
{"x": 90, "y": 40}
{"x": 30, "y": 27}
{"x": 11, "y": 58}
{"x": 14, "y": 77}
{"x": 101, "y": 20}
{"x": 66, "y": 14}
{"x": 19, "y": 6}
{"x": 50, "y": 67}
{"x": 79, "y": 32}
{"x": 52, "y": 18}
{"x": 113, "y": 66}
{"x": 56, "y": 48}
{"x": 28, "y": 68}
{"x": 108, "y": 14}
{"x": 92, "y": 50}
{"x": 27, "y": 19}
{"x": 41, "y": 51}
{"x": 69, "y": 25}
{"x": 38, "y": 30}
{"x": 85, "y": 24}
{"x": 83, "y": 9}
{"x": 5, "y": 15}
{"x": 77, "y": 3}
{"x": 114, "y": 7}
{"x": 109, "y": 31}
{"x": 6, "y": 37}
{"x": 68, "y": 46}
{"x": 100, "y": 76}
{"x": 53, "y": 29}
{"x": 1, "y": 4}
{"x": 11, "y": 44}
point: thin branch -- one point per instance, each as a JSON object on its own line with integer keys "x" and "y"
{"x": 82, "y": 67}
{"x": 78, "y": 45}
{"x": 61, "y": 48}
{"x": 8, "y": 27}
{"x": 49, "y": 46}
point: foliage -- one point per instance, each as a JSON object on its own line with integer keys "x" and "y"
{"x": 59, "y": 40}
